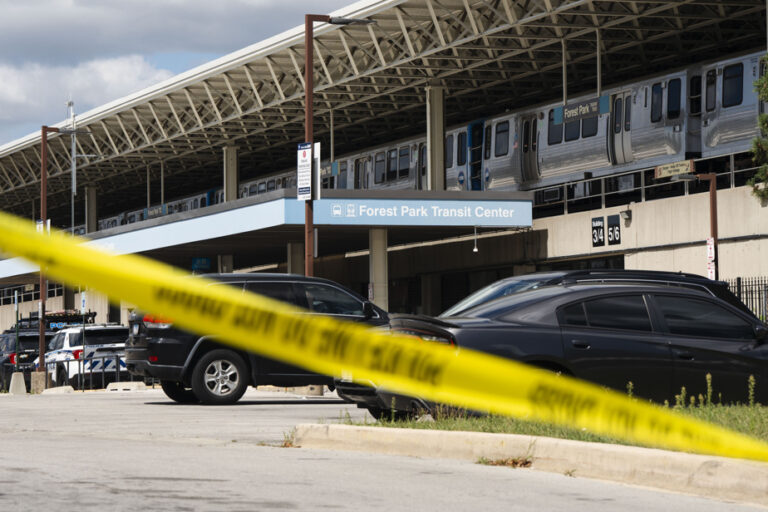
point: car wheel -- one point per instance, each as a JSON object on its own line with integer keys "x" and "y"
{"x": 177, "y": 392}
{"x": 220, "y": 378}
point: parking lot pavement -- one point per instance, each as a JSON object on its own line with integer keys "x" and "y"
{"x": 129, "y": 451}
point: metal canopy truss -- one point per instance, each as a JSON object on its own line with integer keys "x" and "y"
{"x": 490, "y": 55}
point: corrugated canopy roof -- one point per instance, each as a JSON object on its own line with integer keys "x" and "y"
{"x": 490, "y": 55}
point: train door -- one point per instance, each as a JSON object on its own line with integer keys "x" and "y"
{"x": 693, "y": 133}
{"x": 529, "y": 154}
{"x": 421, "y": 166}
{"x": 621, "y": 120}
{"x": 475, "y": 164}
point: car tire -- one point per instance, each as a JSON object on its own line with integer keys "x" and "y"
{"x": 220, "y": 377}
{"x": 177, "y": 392}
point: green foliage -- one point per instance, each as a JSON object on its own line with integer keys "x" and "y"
{"x": 759, "y": 182}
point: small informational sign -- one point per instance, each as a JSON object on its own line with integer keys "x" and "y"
{"x": 614, "y": 229}
{"x": 201, "y": 264}
{"x": 582, "y": 110}
{"x": 710, "y": 249}
{"x": 82, "y": 302}
{"x": 16, "y": 300}
{"x": 673, "y": 169}
{"x": 304, "y": 172}
{"x": 598, "y": 231}
{"x": 711, "y": 270}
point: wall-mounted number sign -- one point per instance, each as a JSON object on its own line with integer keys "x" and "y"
{"x": 598, "y": 231}
{"x": 614, "y": 229}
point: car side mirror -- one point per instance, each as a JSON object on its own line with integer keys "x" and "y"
{"x": 761, "y": 334}
{"x": 368, "y": 311}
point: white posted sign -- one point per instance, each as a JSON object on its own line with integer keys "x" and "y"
{"x": 304, "y": 172}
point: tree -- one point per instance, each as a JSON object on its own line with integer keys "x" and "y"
{"x": 759, "y": 182}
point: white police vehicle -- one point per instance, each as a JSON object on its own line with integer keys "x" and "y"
{"x": 90, "y": 355}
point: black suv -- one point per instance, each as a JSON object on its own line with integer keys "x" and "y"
{"x": 193, "y": 368}
{"x": 24, "y": 357}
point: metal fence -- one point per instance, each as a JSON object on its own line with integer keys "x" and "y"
{"x": 752, "y": 291}
{"x": 82, "y": 374}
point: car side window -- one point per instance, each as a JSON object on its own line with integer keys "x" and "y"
{"x": 330, "y": 301}
{"x": 57, "y": 342}
{"x": 694, "y": 317}
{"x": 573, "y": 315}
{"x": 281, "y": 291}
{"x": 626, "y": 312}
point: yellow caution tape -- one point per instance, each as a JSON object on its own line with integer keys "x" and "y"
{"x": 432, "y": 371}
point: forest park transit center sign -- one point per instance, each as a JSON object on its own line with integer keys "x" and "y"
{"x": 421, "y": 212}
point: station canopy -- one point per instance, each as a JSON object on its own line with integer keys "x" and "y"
{"x": 490, "y": 55}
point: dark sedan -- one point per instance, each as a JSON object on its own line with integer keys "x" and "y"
{"x": 659, "y": 339}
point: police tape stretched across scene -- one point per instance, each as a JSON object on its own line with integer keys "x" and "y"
{"x": 436, "y": 372}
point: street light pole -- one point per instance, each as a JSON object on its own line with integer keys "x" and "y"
{"x": 309, "y": 85}
{"x": 712, "y": 179}
{"x": 45, "y": 130}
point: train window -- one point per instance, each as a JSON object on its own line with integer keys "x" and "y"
{"x": 359, "y": 166}
{"x": 195, "y": 204}
{"x": 405, "y": 162}
{"x": 534, "y": 134}
{"x": 711, "y": 90}
{"x": 627, "y": 113}
{"x": 379, "y": 168}
{"x": 343, "y": 175}
{"x": 203, "y": 202}
{"x": 589, "y": 127}
{"x": 695, "y": 95}
{"x": 617, "y": 108}
{"x": 572, "y": 129}
{"x": 391, "y": 164}
{"x": 526, "y": 135}
{"x": 501, "y": 145}
{"x": 554, "y": 131}
{"x": 461, "y": 149}
{"x": 252, "y": 190}
{"x": 673, "y": 98}
{"x": 262, "y": 187}
{"x": 325, "y": 182}
{"x": 487, "y": 148}
{"x": 733, "y": 85}
{"x": 656, "y": 103}
{"x": 271, "y": 185}
{"x": 449, "y": 152}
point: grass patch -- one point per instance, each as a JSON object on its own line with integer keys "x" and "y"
{"x": 750, "y": 419}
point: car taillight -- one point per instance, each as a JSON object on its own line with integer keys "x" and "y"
{"x": 156, "y": 321}
{"x": 152, "y": 359}
{"x": 77, "y": 353}
{"x": 13, "y": 358}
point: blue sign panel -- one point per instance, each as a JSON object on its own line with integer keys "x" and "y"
{"x": 422, "y": 212}
{"x": 201, "y": 263}
{"x": 582, "y": 110}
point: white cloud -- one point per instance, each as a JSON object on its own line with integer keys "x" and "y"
{"x": 36, "y": 94}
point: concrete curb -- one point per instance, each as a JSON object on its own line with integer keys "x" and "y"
{"x": 710, "y": 476}
{"x": 60, "y": 390}
{"x": 126, "y": 386}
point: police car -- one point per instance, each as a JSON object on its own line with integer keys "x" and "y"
{"x": 90, "y": 355}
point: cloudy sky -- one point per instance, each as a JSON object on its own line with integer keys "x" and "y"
{"x": 95, "y": 51}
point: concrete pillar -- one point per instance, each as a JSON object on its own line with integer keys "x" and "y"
{"x": 378, "y": 267}
{"x": 91, "y": 210}
{"x": 226, "y": 264}
{"x": 430, "y": 295}
{"x": 435, "y": 137}
{"x": 230, "y": 173}
{"x": 296, "y": 258}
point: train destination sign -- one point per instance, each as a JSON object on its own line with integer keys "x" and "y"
{"x": 582, "y": 110}
{"x": 673, "y": 169}
{"x": 420, "y": 212}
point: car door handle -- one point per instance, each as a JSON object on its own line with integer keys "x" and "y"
{"x": 686, "y": 356}
{"x": 583, "y": 345}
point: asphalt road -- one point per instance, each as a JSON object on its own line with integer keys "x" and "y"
{"x": 134, "y": 451}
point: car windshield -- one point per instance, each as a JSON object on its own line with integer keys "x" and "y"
{"x": 494, "y": 291}
{"x": 503, "y": 305}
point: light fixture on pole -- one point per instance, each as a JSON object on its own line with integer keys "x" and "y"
{"x": 73, "y": 132}
{"x": 309, "y": 21}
